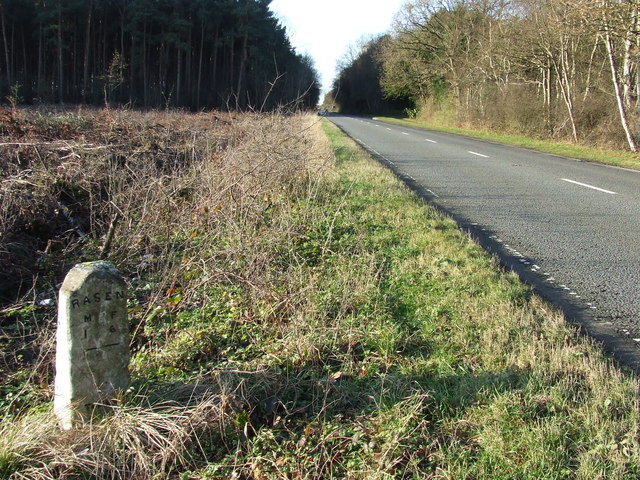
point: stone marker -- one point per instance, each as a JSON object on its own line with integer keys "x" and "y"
{"x": 92, "y": 351}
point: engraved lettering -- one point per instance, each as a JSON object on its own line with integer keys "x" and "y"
{"x": 113, "y": 315}
{"x": 87, "y": 318}
{"x": 96, "y": 296}
{"x": 107, "y": 296}
{"x": 86, "y": 301}
{"x": 75, "y": 303}
{"x": 119, "y": 295}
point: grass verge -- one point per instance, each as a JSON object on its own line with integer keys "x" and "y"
{"x": 565, "y": 149}
{"x": 331, "y": 325}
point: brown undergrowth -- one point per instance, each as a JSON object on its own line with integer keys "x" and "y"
{"x": 195, "y": 198}
{"x": 297, "y": 313}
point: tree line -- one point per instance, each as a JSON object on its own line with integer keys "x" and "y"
{"x": 357, "y": 88}
{"x": 152, "y": 53}
{"x": 547, "y": 68}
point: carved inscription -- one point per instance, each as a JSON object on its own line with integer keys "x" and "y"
{"x": 97, "y": 297}
{"x": 101, "y": 326}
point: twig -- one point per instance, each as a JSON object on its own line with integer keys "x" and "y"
{"x": 107, "y": 242}
{"x": 60, "y": 145}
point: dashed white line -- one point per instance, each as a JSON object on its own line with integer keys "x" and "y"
{"x": 590, "y": 186}
{"x": 430, "y": 141}
{"x": 478, "y": 154}
{"x": 405, "y": 133}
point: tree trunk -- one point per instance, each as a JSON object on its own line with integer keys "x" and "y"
{"x": 564, "y": 79}
{"x": 87, "y": 44}
{"x": 178, "y": 77}
{"x": 214, "y": 62}
{"x": 638, "y": 76}
{"x": 6, "y": 45}
{"x": 587, "y": 88}
{"x": 145, "y": 86}
{"x": 132, "y": 76}
{"x": 627, "y": 79}
{"x": 39, "y": 74}
{"x": 240, "y": 96}
{"x": 232, "y": 63}
{"x": 188, "y": 80}
{"x": 26, "y": 68}
{"x": 567, "y": 90}
{"x": 12, "y": 50}
{"x": 60, "y": 59}
{"x": 617, "y": 88}
{"x": 200, "y": 67}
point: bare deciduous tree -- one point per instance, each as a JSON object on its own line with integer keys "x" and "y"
{"x": 564, "y": 68}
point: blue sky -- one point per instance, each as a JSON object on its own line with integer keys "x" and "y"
{"x": 325, "y": 29}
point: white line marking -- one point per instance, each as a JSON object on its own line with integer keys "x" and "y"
{"x": 388, "y": 129}
{"x": 430, "y": 141}
{"x": 590, "y": 186}
{"x": 405, "y": 133}
{"x": 433, "y": 193}
{"x": 478, "y": 154}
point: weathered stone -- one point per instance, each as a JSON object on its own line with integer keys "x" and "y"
{"x": 92, "y": 351}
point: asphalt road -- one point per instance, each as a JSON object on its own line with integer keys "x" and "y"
{"x": 571, "y": 229}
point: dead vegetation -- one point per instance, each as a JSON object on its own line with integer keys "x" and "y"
{"x": 192, "y": 197}
{"x": 293, "y": 315}
{"x": 194, "y": 207}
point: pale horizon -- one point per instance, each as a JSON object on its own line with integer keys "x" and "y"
{"x": 325, "y": 32}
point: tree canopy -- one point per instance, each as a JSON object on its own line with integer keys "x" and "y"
{"x": 182, "y": 53}
{"x": 357, "y": 88}
{"x": 549, "y": 68}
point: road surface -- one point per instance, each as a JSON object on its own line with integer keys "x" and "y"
{"x": 569, "y": 228}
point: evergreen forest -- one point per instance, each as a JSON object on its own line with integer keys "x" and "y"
{"x": 195, "y": 54}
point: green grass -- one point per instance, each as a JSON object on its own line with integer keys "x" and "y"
{"x": 420, "y": 359}
{"x": 367, "y": 338}
{"x": 565, "y": 149}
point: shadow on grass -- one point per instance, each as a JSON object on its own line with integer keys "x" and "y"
{"x": 307, "y": 394}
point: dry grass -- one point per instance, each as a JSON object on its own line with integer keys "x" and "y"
{"x": 300, "y": 316}
{"x": 198, "y": 198}
{"x": 192, "y": 194}
{"x": 125, "y": 442}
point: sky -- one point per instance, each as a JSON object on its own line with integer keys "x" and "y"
{"x": 325, "y": 29}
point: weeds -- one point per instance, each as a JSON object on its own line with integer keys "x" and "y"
{"x": 299, "y": 316}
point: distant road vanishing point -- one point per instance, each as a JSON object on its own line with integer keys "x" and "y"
{"x": 571, "y": 229}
